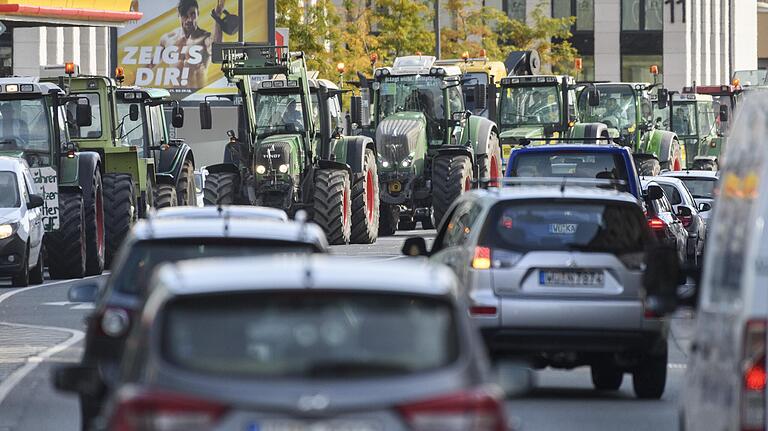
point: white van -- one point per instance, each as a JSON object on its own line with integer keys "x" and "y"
{"x": 725, "y": 385}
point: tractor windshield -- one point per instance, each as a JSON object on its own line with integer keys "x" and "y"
{"x": 415, "y": 93}
{"x": 131, "y": 132}
{"x": 752, "y": 77}
{"x": 684, "y": 119}
{"x": 24, "y": 125}
{"x": 616, "y": 109}
{"x": 529, "y": 105}
{"x": 279, "y": 113}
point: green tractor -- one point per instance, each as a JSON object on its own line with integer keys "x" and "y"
{"x": 628, "y": 112}
{"x": 144, "y": 125}
{"x": 127, "y": 176}
{"x": 34, "y": 127}
{"x": 542, "y": 108}
{"x": 430, "y": 147}
{"x": 289, "y": 151}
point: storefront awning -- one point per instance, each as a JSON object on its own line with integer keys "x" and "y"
{"x": 112, "y": 13}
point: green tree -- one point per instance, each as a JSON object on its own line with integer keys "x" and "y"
{"x": 471, "y": 30}
{"x": 403, "y": 27}
{"x": 314, "y": 29}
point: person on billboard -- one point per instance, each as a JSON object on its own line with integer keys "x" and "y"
{"x": 192, "y": 44}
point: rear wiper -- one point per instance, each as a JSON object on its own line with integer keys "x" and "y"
{"x": 348, "y": 368}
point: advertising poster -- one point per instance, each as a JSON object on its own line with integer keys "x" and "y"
{"x": 170, "y": 47}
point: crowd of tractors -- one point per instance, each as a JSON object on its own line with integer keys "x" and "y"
{"x": 415, "y": 136}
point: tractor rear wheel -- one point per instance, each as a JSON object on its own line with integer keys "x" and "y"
{"x": 165, "y": 196}
{"x": 365, "y": 203}
{"x": 389, "y": 219}
{"x": 451, "y": 177}
{"x": 95, "y": 244}
{"x": 220, "y": 188}
{"x": 119, "y": 212}
{"x": 185, "y": 188}
{"x": 489, "y": 165}
{"x": 333, "y": 205}
{"x": 649, "y": 167}
{"x": 66, "y": 246}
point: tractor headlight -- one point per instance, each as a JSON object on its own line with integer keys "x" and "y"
{"x": 405, "y": 163}
{"x": 385, "y": 163}
{"x": 261, "y": 169}
{"x": 283, "y": 168}
{"x": 7, "y": 230}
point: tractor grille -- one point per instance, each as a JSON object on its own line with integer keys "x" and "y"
{"x": 273, "y": 155}
{"x": 397, "y": 138}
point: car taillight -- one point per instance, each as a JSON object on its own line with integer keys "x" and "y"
{"x": 114, "y": 322}
{"x": 482, "y": 258}
{"x": 656, "y": 223}
{"x": 687, "y": 220}
{"x": 483, "y": 310}
{"x": 473, "y": 410}
{"x": 160, "y": 411}
{"x": 754, "y": 378}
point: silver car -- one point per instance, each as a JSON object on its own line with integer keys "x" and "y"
{"x": 306, "y": 343}
{"x": 703, "y": 187}
{"x": 555, "y": 278}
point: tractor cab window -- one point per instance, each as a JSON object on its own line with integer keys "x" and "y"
{"x": 24, "y": 125}
{"x": 455, "y": 101}
{"x": 475, "y": 78}
{"x": 706, "y": 114}
{"x": 616, "y": 109}
{"x": 684, "y": 118}
{"x": 413, "y": 93}
{"x": 92, "y": 131}
{"x": 529, "y": 105}
{"x": 130, "y": 133}
{"x": 279, "y": 113}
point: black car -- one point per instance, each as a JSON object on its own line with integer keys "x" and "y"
{"x": 665, "y": 224}
{"x": 151, "y": 243}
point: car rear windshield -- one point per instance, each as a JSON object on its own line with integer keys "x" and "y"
{"x": 565, "y": 225}
{"x": 133, "y": 275}
{"x": 324, "y": 335}
{"x": 701, "y": 187}
{"x": 575, "y": 164}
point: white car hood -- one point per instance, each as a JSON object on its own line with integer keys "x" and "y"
{"x": 10, "y": 215}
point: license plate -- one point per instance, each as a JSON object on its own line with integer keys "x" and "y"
{"x": 571, "y": 278}
{"x": 562, "y": 228}
{"x": 291, "y": 425}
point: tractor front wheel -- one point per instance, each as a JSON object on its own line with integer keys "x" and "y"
{"x": 365, "y": 203}
{"x": 220, "y": 188}
{"x": 119, "y": 212}
{"x": 94, "y": 227}
{"x": 389, "y": 218}
{"x": 165, "y": 196}
{"x": 451, "y": 177}
{"x": 66, "y": 246}
{"x": 489, "y": 165}
{"x": 185, "y": 188}
{"x": 333, "y": 205}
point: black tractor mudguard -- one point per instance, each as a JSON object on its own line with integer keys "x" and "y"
{"x": 88, "y": 163}
{"x": 171, "y": 160}
{"x": 222, "y": 167}
{"x": 458, "y": 150}
{"x": 356, "y": 147}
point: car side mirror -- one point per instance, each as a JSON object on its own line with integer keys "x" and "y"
{"x": 83, "y": 115}
{"x": 723, "y": 113}
{"x": 684, "y": 211}
{"x": 85, "y": 291}
{"x": 415, "y": 246}
{"x": 356, "y": 110}
{"x": 705, "y": 206}
{"x": 481, "y": 96}
{"x": 133, "y": 112}
{"x": 206, "y": 122}
{"x": 177, "y": 117}
{"x": 661, "y": 278}
{"x": 593, "y": 97}
{"x": 35, "y": 201}
{"x": 80, "y": 379}
{"x": 655, "y": 192}
{"x": 662, "y": 98}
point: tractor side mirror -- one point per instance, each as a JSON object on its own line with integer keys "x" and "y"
{"x": 206, "y": 122}
{"x": 662, "y": 98}
{"x": 723, "y": 113}
{"x": 83, "y": 115}
{"x": 356, "y": 110}
{"x": 593, "y": 97}
{"x": 133, "y": 112}
{"x": 177, "y": 117}
{"x": 35, "y": 201}
{"x": 481, "y": 96}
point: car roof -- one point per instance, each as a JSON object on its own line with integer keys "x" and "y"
{"x": 542, "y": 191}
{"x": 693, "y": 174}
{"x": 12, "y": 163}
{"x": 231, "y": 211}
{"x": 597, "y": 148}
{"x": 664, "y": 180}
{"x": 304, "y": 272}
{"x": 176, "y": 228}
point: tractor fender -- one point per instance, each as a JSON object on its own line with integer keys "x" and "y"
{"x": 456, "y": 150}
{"x": 172, "y": 159}
{"x": 355, "y": 152}
{"x": 668, "y": 144}
{"x": 480, "y": 130}
{"x": 222, "y": 167}
{"x": 331, "y": 164}
{"x": 87, "y": 164}
{"x": 165, "y": 178}
{"x": 590, "y": 130}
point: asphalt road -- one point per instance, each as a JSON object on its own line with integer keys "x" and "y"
{"x": 39, "y": 329}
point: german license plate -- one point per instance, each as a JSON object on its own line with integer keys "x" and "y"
{"x": 572, "y": 278}
{"x": 562, "y": 228}
{"x": 292, "y": 425}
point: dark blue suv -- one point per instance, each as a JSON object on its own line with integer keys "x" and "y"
{"x": 588, "y": 161}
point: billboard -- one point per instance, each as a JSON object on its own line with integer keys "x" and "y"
{"x": 170, "y": 47}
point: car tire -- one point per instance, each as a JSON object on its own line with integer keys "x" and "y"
{"x": 332, "y": 207}
{"x": 185, "y": 187}
{"x": 119, "y": 211}
{"x": 365, "y": 202}
{"x": 389, "y": 219}
{"x": 95, "y": 243}
{"x": 37, "y": 275}
{"x": 606, "y": 377}
{"x": 165, "y": 196}
{"x": 66, "y": 246}
{"x": 220, "y": 188}
{"x": 451, "y": 177}
{"x": 650, "y": 376}
{"x": 21, "y": 278}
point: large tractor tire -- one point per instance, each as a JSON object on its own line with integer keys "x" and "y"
{"x": 451, "y": 177}
{"x": 389, "y": 219}
{"x": 671, "y": 153}
{"x": 220, "y": 188}
{"x": 147, "y": 200}
{"x": 120, "y": 210}
{"x": 185, "y": 186}
{"x": 649, "y": 167}
{"x": 489, "y": 165}
{"x": 333, "y": 205}
{"x": 365, "y": 203}
{"x": 67, "y": 246}
{"x": 165, "y": 196}
{"x": 95, "y": 242}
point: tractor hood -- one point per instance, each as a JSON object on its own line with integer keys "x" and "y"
{"x": 398, "y": 136}
{"x": 511, "y": 136}
{"x": 276, "y": 150}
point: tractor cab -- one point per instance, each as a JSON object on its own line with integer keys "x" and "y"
{"x": 480, "y": 82}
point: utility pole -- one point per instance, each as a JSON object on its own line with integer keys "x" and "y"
{"x": 437, "y": 28}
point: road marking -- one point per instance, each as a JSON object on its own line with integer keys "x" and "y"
{"x": 74, "y": 305}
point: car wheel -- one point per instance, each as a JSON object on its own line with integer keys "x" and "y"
{"x": 606, "y": 377}
{"x": 650, "y": 376}
{"x": 36, "y": 276}
{"x": 21, "y": 279}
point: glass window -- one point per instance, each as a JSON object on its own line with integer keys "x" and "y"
{"x": 672, "y": 194}
{"x": 630, "y": 15}
{"x": 616, "y": 109}
{"x": 707, "y": 114}
{"x": 24, "y": 125}
{"x": 460, "y": 226}
{"x": 641, "y": 15}
{"x": 574, "y": 164}
{"x": 158, "y": 125}
{"x": 515, "y": 9}
{"x": 654, "y": 15}
{"x": 92, "y": 131}
{"x": 588, "y": 68}
{"x": 9, "y": 190}
{"x": 308, "y": 335}
{"x": 701, "y": 187}
{"x": 585, "y": 15}
{"x": 561, "y": 8}
{"x": 278, "y": 113}
{"x": 529, "y": 105}
{"x": 130, "y": 132}
{"x": 684, "y": 118}
{"x": 635, "y": 68}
